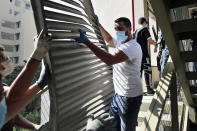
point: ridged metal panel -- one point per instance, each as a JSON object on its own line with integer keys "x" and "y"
{"x": 82, "y": 83}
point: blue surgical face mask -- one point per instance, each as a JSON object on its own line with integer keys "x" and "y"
{"x": 121, "y": 36}
{"x": 3, "y": 111}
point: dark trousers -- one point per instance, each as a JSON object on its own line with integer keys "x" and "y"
{"x": 146, "y": 67}
{"x": 158, "y": 63}
{"x": 125, "y": 110}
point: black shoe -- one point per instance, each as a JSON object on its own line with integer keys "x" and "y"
{"x": 147, "y": 94}
{"x": 150, "y": 92}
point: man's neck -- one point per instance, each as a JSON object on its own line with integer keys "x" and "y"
{"x": 128, "y": 39}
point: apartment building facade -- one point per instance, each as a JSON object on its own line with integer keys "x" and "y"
{"x": 17, "y": 29}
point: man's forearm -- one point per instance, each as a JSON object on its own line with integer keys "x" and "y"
{"x": 107, "y": 37}
{"x": 103, "y": 55}
{"x": 24, "y": 80}
{"x": 151, "y": 41}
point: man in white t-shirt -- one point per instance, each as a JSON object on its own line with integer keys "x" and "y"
{"x": 126, "y": 63}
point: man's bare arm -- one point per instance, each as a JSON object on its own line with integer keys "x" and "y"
{"x": 151, "y": 41}
{"x": 107, "y": 37}
{"x": 106, "y": 57}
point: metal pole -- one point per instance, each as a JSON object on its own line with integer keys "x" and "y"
{"x": 174, "y": 104}
{"x": 133, "y": 14}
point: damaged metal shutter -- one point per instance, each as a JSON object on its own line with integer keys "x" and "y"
{"x": 81, "y": 83}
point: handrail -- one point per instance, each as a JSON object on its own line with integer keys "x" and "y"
{"x": 41, "y": 92}
{"x": 154, "y": 114}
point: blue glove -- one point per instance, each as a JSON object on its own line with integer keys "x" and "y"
{"x": 44, "y": 76}
{"x": 82, "y": 38}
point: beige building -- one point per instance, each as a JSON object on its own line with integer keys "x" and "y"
{"x": 17, "y": 29}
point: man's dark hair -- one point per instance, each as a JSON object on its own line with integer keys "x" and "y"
{"x": 126, "y": 21}
{"x": 141, "y": 20}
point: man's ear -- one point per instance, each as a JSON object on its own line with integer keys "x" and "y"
{"x": 130, "y": 28}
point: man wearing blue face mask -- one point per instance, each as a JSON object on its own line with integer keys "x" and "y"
{"x": 126, "y": 63}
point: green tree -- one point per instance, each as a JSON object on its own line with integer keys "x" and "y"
{"x": 10, "y": 78}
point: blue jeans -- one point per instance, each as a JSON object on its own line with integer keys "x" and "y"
{"x": 125, "y": 110}
{"x": 164, "y": 58}
{"x": 195, "y": 68}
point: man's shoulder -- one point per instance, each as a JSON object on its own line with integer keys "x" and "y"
{"x": 140, "y": 32}
{"x": 145, "y": 29}
{"x": 141, "y": 29}
{"x": 133, "y": 44}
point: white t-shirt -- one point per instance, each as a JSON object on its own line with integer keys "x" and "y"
{"x": 126, "y": 75}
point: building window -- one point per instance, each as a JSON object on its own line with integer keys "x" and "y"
{"x": 18, "y": 24}
{"x": 7, "y": 36}
{"x": 17, "y": 36}
{"x": 17, "y": 48}
{"x": 16, "y": 13}
{"x": 16, "y": 60}
{"x": 8, "y": 24}
{"x": 9, "y": 48}
{"x": 10, "y": 11}
{"x": 28, "y": 6}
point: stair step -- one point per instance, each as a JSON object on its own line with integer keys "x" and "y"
{"x": 189, "y": 56}
{"x": 146, "y": 103}
{"x": 195, "y": 97}
{"x": 184, "y": 26}
{"x": 165, "y": 120}
{"x": 191, "y": 75}
{"x": 142, "y": 115}
{"x": 187, "y": 35}
{"x": 179, "y": 3}
{"x": 193, "y": 89}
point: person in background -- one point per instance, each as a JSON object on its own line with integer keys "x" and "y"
{"x": 164, "y": 51}
{"x": 143, "y": 37}
{"x": 158, "y": 63}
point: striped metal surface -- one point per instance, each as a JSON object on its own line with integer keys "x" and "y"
{"x": 81, "y": 83}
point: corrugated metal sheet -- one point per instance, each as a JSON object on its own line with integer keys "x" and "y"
{"x": 81, "y": 83}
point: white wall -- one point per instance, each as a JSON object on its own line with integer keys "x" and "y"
{"x": 110, "y": 10}
{"x": 138, "y": 11}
